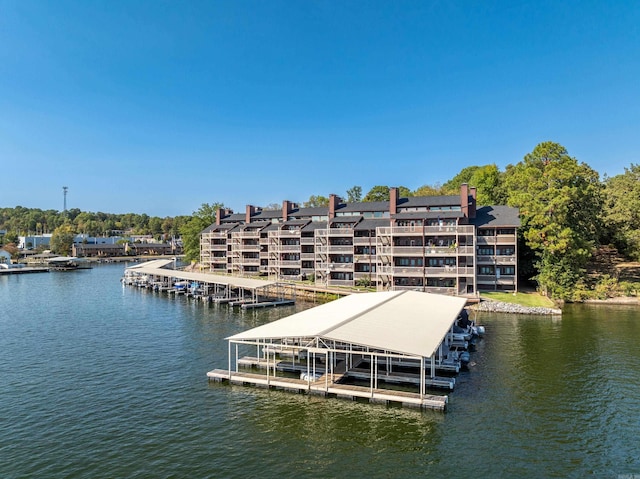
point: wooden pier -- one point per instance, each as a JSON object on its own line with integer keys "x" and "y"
{"x": 328, "y": 388}
{"x": 25, "y": 270}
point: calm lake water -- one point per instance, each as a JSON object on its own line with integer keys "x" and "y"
{"x": 101, "y": 381}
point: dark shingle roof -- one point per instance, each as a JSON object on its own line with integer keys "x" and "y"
{"x": 308, "y": 212}
{"x": 271, "y": 227}
{"x": 496, "y": 216}
{"x": 363, "y": 206}
{"x": 315, "y": 225}
{"x": 372, "y": 224}
{"x": 255, "y": 226}
{"x": 418, "y": 201}
{"x": 346, "y": 219}
{"x": 266, "y": 215}
{"x": 234, "y": 218}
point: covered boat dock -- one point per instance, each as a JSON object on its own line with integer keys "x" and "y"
{"x": 359, "y": 346}
{"x": 244, "y": 292}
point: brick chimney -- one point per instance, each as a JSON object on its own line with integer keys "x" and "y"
{"x": 222, "y": 213}
{"x": 464, "y": 199}
{"x": 394, "y": 196}
{"x": 250, "y": 210}
{"x": 472, "y": 202}
{"x": 287, "y": 208}
{"x": 334, "y": 202}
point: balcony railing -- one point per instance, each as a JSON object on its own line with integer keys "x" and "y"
{"x": 340, "y": 232}
{"x": 427, "y": 230}
{"x": 408, "y": 250}
{"x": 246, "y": 234}
{"x": 250, "y": 261}
{"x": 364, "y": 240}
{"x": 338, "y": 248}
{"x": 340, "y": 282}
{"x": 250, "y": 247}
{"x": 289, "y": 247}
{"x": 286, "y": 263}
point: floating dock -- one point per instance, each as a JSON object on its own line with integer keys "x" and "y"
{"x": 25, "y": 270}
{"x": 327, "y": 388}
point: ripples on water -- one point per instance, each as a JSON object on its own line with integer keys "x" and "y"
{"x": 102, "y": 381}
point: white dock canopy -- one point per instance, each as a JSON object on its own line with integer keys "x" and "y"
{"x": 157, "y": 268}
{"x": 405, "y": 322}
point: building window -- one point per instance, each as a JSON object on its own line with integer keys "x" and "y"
{"x": 506, "y": 251}
{"x": 486, "y": 270}
{"x": 508, "y": 270}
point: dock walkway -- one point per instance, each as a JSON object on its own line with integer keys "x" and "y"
{"x": 332, "y": 389}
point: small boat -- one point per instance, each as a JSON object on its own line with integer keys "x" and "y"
{"x": 310, "y": 377}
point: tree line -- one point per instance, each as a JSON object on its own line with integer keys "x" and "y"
{"x": 567, "y": 211}
{"x": 21, "y": 221}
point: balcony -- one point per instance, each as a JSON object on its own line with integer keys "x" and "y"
{"x": 485, "y": 259}
{"x": 364, "y": 275}
{"x": 506, "y": 259}
{"x": 440, "y": 251}
{"x": 288, "y": 263}
{"x": 341, "y": 266}
{"x": 307, "y": 256}
{"x": 407, "y": 271}
{"x": 246, "y": 234}
{"x": 427, "y": 230}
{"x": 338, "y": 248}
{"x": 289, "y": 277}
{"x": 250, "y": 261}
{"x": 340, "y": 282}
{"x": 250, "y": 247}
{"x": 289, "y": 247}
{"x": 307, "y": 240}
{"x": 364, "y": 240}
{"x": 408, "y": 250}
{"x": 348, "y": 232}
{"x": 506, "y": 239}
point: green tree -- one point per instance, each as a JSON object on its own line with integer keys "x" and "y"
{"x": 428, "y": 190}
{"x": 62, "y": 240}
{"x": 488, "y": 183}
{"x": 377, "y": 193}
{"x": 354, "y": 194}
{"x": 559, "y": 201}
{"x": 204, "y": 217}
{"x": 404, "y": 192}
{"x": 452, "y": 187}
{"x": 316, "y": 201}
{"x": 621, "y": 211}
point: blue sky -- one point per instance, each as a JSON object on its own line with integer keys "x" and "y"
{"x": 159, "y": 106}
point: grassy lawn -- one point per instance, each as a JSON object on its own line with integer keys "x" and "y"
{"x": 525, "y": 299}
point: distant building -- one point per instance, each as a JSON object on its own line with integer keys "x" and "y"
{"x": 34, "y": 241}
{"x": 440, "y": 244}
{"x": 5, "y": 257}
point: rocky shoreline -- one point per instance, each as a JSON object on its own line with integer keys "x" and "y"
{"x": 490, "y": 306}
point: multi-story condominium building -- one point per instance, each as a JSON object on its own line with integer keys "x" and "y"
{"x": 443, "y": 244}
